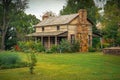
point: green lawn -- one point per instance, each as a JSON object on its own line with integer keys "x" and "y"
{"x": 86, "y": 66}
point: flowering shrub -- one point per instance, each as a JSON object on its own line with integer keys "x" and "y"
{"x": 30, "y": 45}
{"x": 16, "y": 47}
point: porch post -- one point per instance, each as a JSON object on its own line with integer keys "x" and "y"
{"x": 48, "y": 42}
{"x": 55, "y": 40}
{"x": 42, "y": 40}
{"x": 35, "y": 39}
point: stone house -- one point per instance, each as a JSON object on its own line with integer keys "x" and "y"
{"x": 51, "y": 30}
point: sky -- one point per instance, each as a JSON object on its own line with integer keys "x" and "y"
{"x": 39, "y": 7}
{"x": 100, "y": 4}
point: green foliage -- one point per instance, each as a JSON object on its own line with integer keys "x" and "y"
{"x": 8, "y": 11}
{"x": 55, "y": 48}
{"x": 21, "y": 25}
{"x": 105, "y": 45}
{"x": 111, "y": 33}
{"x": 0, "y": 40}
{"x": 49, "y": 51}
{"x": 111, "y": 19}
{"x": 91, "y": 49}
{"x": 22, "y": 46}
{"x": 38, "y": 47}
{"x": 24, "y": 24}
{"x": 73, "y": 6}
{"x": 96, "y": 41}
{"x": 32, "y": 63}
{"x": 75, "y": 46}
{"x": 11, "y": 60}
{"x": 30, "y": 45}
{"x": 18, "y": 23}
{"x": 10, "y": 39}
{"x": 66, "y": 46}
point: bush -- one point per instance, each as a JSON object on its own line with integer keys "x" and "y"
{"x": 106, "y": 45}
{"x": 26, "y": 45}
{"x": 38, "y": 47}
{"x": 91, "y": 49}
{"x": 55, "y": 48}
{"x": 75, "y": 46}
{"x": 49, "y": 51}
{"x": 10, "y": 60}
{"x": 22, "y": 46}
{"x": 96, "y": 42}
{"x": 66, "y": 46}
{"x": 31, "y": 45}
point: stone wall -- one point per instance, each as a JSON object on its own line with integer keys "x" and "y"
{"x": 112, "y": 50}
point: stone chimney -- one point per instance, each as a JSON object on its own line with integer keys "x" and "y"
{"x": 83, "y": 15}
{"x": 47, "y": 15}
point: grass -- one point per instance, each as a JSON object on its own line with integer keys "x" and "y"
{"x": 86, "y": 66}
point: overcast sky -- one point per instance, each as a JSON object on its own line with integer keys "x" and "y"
{"x": 38, "y": 7}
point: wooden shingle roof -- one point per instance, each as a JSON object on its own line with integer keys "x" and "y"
{"x": 58, "y": 20}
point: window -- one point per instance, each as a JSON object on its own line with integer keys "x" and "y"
{"x": 42, "y": 28}
{"x": 72, "y": 38}
{"x": 58, "y": 27}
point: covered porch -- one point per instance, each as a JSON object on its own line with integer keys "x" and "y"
{"x": 48, "y": 39}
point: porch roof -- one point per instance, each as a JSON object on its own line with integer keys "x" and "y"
{"x": 55, "y": 33}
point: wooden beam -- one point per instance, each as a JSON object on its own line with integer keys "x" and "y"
{"x": 42, "y": 40}
{"x": 55, "y": 40}
{"x": 48, "y": 42}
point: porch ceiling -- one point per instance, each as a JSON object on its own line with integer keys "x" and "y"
{"x": 55, "y": 33}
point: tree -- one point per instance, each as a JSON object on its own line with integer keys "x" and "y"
{"x": 21, "y": 25}
{"x": 9, "y": 9}
{"x": 74, "y": 5}
{"x": 10, "y": 38}
{"x": 111, "y": 19}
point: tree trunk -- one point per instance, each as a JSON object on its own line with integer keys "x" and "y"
{"x": 3, "y": 28}
{"x": 3, "y": 41}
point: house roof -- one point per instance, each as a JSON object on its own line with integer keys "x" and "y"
{"x": 97, "y": 34}
{"x": 55, "y": 33}
{"x": 58, "y": 20}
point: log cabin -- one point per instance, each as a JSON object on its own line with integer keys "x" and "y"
{"x": 51, "y": 30}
